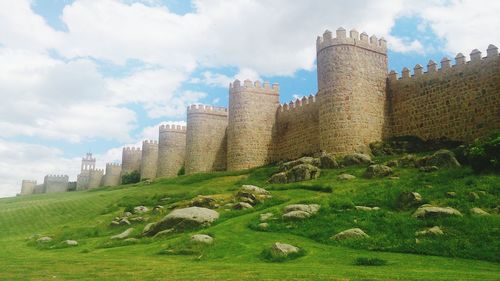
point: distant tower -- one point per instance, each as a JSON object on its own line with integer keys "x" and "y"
{"x": 28, "y": 187}
{"x": 131, "y": 160}
{"x": 171, "y": 150}
{"x": 83, "y": 179}
{"x": 352, "y": 74}
{"x": 113, "y": 175}
{"x": 55, "y": 183}
{"x": 149, "y": 160}
{"x": 252, "y": 115}
{"x": 206, "y": 139}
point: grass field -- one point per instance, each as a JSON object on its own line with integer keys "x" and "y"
{"x": 469, "y": 250}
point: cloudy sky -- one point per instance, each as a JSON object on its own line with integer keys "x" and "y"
{"x": 97, "y": 75}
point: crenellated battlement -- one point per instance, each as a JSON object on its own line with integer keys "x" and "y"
{"x": 113, "y": 165}
{"x": 99, "y": 171}
{"x": 55, "y": 177}
{"x": 132, "y": 149}
{"x": 150, "y": 142}
{"x": 257, "y": 87}
{"x": 208, "y": 109}
{"x": 172, "y": 128}
{"x": 29, "y": 182}
{"x": 362, "y": 40}
{"x": 445, "y": 65}
{"x": 298, "y": 103}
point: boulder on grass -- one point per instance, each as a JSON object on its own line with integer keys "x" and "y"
{"x": 303, "y": 160}
{"x": 266, "y": 216}
{"x": 184, "y": 219}
{"x": 377, "y": 171}
{"x": 479, "y": 212}
{"x": 309, "y": 208}
{"x": 254, "y": 189}
{"x": 44, "y": 239}
{"x": 328, "y": 161}
{"x": 429, "y": 211}
{"x": 140, "y": 209}
{"x": 353, "y": 233}
{"x": 303, "y": 172}
{"x": 124, "y": 234}
{"x": 409, "y": 199}
{"x": 441, "y": 158}
{"x": 204, "y": 201}
{"x": 356, "y": 159}
{"x": 70, "y": 242}
{"x": 280, "y": 177}
{"x": 366, "y": 208}
{"x": 345, "y": 177}
{"x": 433, "y": 231}
{"x": 283, "y": 250}
{"x": 296, "y": 215}
{"x": 202, "y": 239}
{"x": 263, "y": 225}
{"x": 242, "y": 206}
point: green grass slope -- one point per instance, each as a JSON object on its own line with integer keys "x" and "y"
{"x": 469, "y": 249}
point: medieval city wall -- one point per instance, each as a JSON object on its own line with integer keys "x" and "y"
{"x": 251, "y": 124}
{"x": 149, "y": 160}
{"x": 131, "y": 159}
{"x": 95, "y": 178}
{"x": 171, "y": 150}
{"x": 352, "y": 73}
{"x": 113, "y": 175}
{"x": 28, "y": 187}
{"x": 297, "y": 129}
{"x": 55, "y": 183}
{"x": 458, "y": 102}
{"x": 206, "y": 139}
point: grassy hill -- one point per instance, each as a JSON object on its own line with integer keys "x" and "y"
{"x": 469, "y": 249}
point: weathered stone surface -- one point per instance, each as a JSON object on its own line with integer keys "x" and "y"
{"x": 353, "y": 233}
{"x": 242, "y": 206}
{"x": 433, "y": 231}
{"x": 441, "y": 158}
{"x": 124, "y": 234}
{"x": 451, "y": 194}
{"x": 182, "y": 219}
{"x": 409, "y": 199}
{"x": 303, "y": 172}
{"x": 140, "y": 209}
{"x": 127, "y": 214}
{"x": 266, "y": 216}
{"x": 377, "y": 171}
{"x": 328, "y": 161}
{"x": 365, "y": 208}
{"x": 280, "y": 177}
{"x": 296, "y": 215}
{"x": 408, "y": 161}
{"x": 392, "y": 163}
{"x": 44, "y": 239}
{"x": 158, "y": 209}
{"x": 356, "y": 159}
{"x": 283, "y": 250}
{"x": 202, "y": 239}
{"x": 303, "y": 160}
{"x": 429, "y": 211}
{"x": 263, "y": 225}
{"x": 165, "y": 232}
{"x": 203, "y": 201}
{"x": 479, "y": 212}
{"x": 345, "y": 177}
{"x": 254, "y": 189}
{"x": 71, "y": 242}
{"x": 309, "y": 208}
{"x": 147, "y": 228}
{"x": 473, "y": 196}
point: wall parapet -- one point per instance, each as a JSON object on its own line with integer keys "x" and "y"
{"x": 54, "y": 177}
{"x": 355, "y": 39}
{"x": 257, "y": 87}
{"x": 297, "y": 103}
{"x": 132, "y": 149}
{"x": 432, "y": 68}
{"x": 150, "y": 142}
{"x": 172, "y": 128}
{"x": 207, "y": 109}
{"x": 113, "y": 164}
{"x": 29, "y": 182}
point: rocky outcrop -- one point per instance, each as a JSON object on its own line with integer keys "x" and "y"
{"x": 353, "y": 233}
{"x": 202, "y": 239}
{"x": 409, "y": 199}
{"x": 327, "y": 161}
{"x": 303, "y": 160}
{"x": 204, "y": 202}
{"x": 283, "y": 250}
{"x": 479, "y": 212}
{"x": 183, "y": 219}
{"x": 300, "y": 211}
{"x": 433, "y": 231}
{"x": 296, "y": 215}
{"x": 442, "y": 159}
{"x": 377, "y": 171}
{"x": 301, "y": 172}
{"x": 345, "y": 177}
{"x": 356, "y": 159}
{"x": 124, "y": 234}
{"x": 242, "y": 206}
{"x": 429, "y": 211}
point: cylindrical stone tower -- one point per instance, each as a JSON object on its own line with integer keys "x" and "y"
{"x": 28, "y": 187}
{"x": 206, "y": 141}
{"x": 171, "y": 150}
{"x": 251, "y": 120}
{"x": 113, "y": 174}
{"x": 149, "y": 161}
{"x": 352, "y": 75}
{"x": 95, "y": 178}
{"x": 131, "y": 160}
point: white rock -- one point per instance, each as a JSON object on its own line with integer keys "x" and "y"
{"x": 202, "y": 238}
{"x": 124, "y": 234}
{"x": 282, "y": 249}
{"x": 71, "y": 242}
{"x": 44, "y": 239}
{"x": 310, "y": 208}
{"x": 140, "y": 209}
{"x": 350, "y": 234}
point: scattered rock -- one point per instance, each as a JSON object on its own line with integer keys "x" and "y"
{"x": 263, "y": 225}
{"x": 202, "y": 239}
{"x": 186, "y": 218}
{"x": 114, "y": 223}
{"x": 409, "y": 199}
{"x": 428, "y": 169}
{"x": 124, "y": 234}
{"x": 147, "y": 228}
{"x": 303, "y": 160}
{"x": 44, "y": 239}
{"x": 158, "y": 209}
{"x": 283, "y": 250}
{"x": 328, "y": 161}
{"x": 127, "y": 214}
{"x": 242, "y": 206}
{"x": 296, "y": 215}
{"x": 309, "y": 208}
{"x": 365, "y": 208}
{"x": 473, "y": 196}
{"x": 451, "y": 194}
{"x": 408, "y": 161}
{"x": 164, "y": 232}
{"x": 137, "y": 219}
{"x": 140, "y": 209}
{"x": 303, "y": 172}
{"x": 353, "y": 233}
{"x": 280, "y": 177}
{"x": 356, "y": 159}
{"x": 124, "y": 221}
{"x": 345, "y": 177}
{"x": 70, "y": 242}
{"x": 393, "y": 178}
{"x": 429, "y": 211}
{"x": 434, "y": 231}
{"x": 377, "y": 171}
{"x": 441, "y": 158}
{"x": 392, "y": 163}
{"x": 254, "y": 189}
{"x": 479, "y": 212}
{"x": 204, "y": 202}
{"x": 266, "y": 216}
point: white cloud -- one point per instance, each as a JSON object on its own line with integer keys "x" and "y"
{"x": 221, "y": 80}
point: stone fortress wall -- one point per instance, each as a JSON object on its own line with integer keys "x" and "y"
{"x": 206, "y": 139}
{"x": 55, "y": 183}
{"x": 28, "y": 187}
{"x": 459, "y": 102}
{"x": 357, "y": 103}
{"x": 149, "y": 159}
